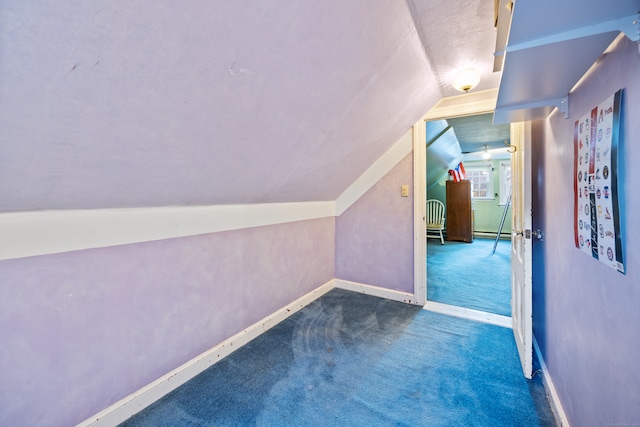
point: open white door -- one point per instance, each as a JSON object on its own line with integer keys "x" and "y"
{"x": 521, "y": 316}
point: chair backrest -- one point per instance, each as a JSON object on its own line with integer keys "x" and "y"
{"x": 435, "y": 212}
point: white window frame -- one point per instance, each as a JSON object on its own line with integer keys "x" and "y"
{"x": 505, "y": 181}
{"x": 486, "y": 168}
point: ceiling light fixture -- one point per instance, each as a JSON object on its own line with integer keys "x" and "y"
{"x": 485, "y": 154}
{"x": 466, "y": 79}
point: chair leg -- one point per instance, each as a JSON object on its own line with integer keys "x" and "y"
{"x": 441, "y": 238}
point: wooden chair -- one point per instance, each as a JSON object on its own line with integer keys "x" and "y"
{"x": 435, "y": 220}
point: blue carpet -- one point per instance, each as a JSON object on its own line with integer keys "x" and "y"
{"x": 468, "y": 275}
{"x": 349, "y": 359}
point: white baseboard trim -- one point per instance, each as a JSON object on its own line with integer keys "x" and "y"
{"x": 375, "y": 291}
{"x": 137, "y": 401}
{"x": 467, "y": 313}
{"x": 554, "y": 400}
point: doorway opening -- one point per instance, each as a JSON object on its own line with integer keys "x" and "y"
{"x": 466, "y": 272}
{"x": 460, "y": 129}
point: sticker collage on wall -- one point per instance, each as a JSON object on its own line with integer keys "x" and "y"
{"x": 597, "y": 214}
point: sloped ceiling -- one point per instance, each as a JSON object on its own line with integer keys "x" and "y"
{"x": 474, "y": 132}
{"x": 443, "y": 150}
{"x": 156, "y": 103}
{"x": 159, "y": 103}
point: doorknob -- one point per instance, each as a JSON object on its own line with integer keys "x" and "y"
{"x": 539, "y": 234}
{"x": 519, "y": 232}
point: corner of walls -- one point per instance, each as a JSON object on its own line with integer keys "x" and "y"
{"x": 189, "y": 276}
{"x": 488, "y": 213}
{"x": 95, "y": 324}
{"x": 374, "y": 235}
{"x": 140, "y": 399}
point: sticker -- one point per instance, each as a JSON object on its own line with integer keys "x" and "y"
{"x": 600, "y": 135}
{"x": 610, "y": 253}
{"x": 580, "y": 224}
{"x": 581, "y": 241}
{"x": 605, "y": 172}
{"x": 606, "y": 191}
{"x": 598, "y": 193}
{"x": 580, "y": 176}
{"x": 607, "y": 215}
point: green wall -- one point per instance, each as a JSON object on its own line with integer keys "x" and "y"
{"x": 487, "y": 212}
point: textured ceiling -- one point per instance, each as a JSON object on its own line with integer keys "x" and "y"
{"x": 155, "y": 103}
{"x": 458, "y": 35}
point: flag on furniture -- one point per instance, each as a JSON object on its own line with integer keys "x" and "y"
{"x": 458, "y": 173}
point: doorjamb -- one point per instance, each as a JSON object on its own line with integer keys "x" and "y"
{"x": 419, "y": 214}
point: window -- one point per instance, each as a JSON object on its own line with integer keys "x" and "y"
{"x": 481, "y": 181}
{"x": 505, "y": 182}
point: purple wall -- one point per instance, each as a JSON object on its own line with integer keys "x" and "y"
{"x": 81, "y": 330}
{"x": 374, "y": 237}
{"x": 586, "y": 315}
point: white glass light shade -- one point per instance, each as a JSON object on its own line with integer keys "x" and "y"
{"x": 466, "y": 79}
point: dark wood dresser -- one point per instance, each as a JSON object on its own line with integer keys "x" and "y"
{"x": 459, "y": 223}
